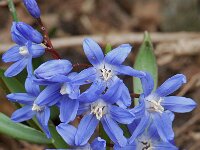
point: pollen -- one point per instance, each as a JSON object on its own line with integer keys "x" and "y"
{"x": 155, "y": 105}
{"x": 36, "y": 108}
{"x": 98, "y": 108}
{"x": 23, "y": 50}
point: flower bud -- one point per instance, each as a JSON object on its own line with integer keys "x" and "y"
{"x": 29, "y": 33}
{"x": 32, "y": 7}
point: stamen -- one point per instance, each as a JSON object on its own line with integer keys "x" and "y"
{"x": 23, "y": 50}
{"x": 98, "y": 108}
{"x": 65, "y": 89}
{"x": 154, "y": 105}
{"x": 36, "y": 108}
{"x": 106, "y": 74}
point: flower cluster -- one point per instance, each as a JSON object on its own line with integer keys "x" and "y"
{"x": 107, "y": 101}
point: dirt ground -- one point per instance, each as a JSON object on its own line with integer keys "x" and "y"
{"x": 69, "y": 18}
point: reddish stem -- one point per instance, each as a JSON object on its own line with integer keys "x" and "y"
{"x": 47, "y": 41}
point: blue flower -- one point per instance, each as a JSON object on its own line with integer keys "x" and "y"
{"x": 32, "y": 7}
{"x": 22, "y": 53}
{"x": 104, "y": 71}
{"x": 30, "y": 109}
{"x": 53, "y": 71}
{"x": 68, "y": 133}
{"x": 154, "y": 106}
{"x": 103, "y": 110}
{"x": 64, "y": 95}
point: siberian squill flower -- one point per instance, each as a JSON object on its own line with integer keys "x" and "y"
{"x": 104, "y": 71}
{"x": 103, "y": 110}
{"x": 153, "y": 106}
{"x": 68, "y": 133}
{"x": 22, "y": 53}
{"x": 148, "y": 140}
{"x": 59, "y": 91}
{"x": 30, "y": 109}
{"x": 32, "y": 7}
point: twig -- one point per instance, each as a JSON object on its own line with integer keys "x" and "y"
{"x": 187, "y": 125}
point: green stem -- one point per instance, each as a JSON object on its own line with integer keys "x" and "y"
{"x": 104, "y": 136}
{"x": 12, "y": 9}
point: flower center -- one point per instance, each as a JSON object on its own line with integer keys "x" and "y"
{"x": 106, "y": 73}
{"x": 23, "y": 50}
{"x": 98, "y": 108}
{"x": 154, "y": 105}
{"x": 36, "y": 108}
{"x": 145, "y": 145}
{"x": 65, "y": 89}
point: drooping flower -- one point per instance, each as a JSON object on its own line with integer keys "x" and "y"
{"x": 32, "y": 7}
{"x": 22, "y": 53}
{"x": 63, "y": 94}
{"x": 153, "y": 106}
{"x": 104, "y": 71}
{"x": 68, "y": 133}
{"x": 53, "y": 71}
{"x": 30, "y": 109}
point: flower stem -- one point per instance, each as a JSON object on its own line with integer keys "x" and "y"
{"x": 47, "y": 41}
{"x": 12, "y": 9}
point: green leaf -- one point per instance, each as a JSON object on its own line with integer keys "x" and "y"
{"x": 146, "y": 61}
{"x": 12, "y": 84}
{"x": 21, "y": 131}
{"x": 108, "y": 48}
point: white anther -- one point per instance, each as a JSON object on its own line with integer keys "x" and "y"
{"x": 65, "y": 89}
{"x": 23, "y": 50}
{"x": 36, "y": 108}
{"x": 154, "y": 105}
{"x": 98, "y": 108}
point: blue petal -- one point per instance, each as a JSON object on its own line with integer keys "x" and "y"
{"x": 37, "y": 50}
{"x": 29, "y": 67}
{"x": 43, "y": 119}
{"x": 83, "y": 108}
{"x": 121, "y": 115}
{"x": 16, "y": 68}
{"x": 126, "y": 70}
{"x": 85, "y": 76}
{"x": 32, "y": 7}
{"x": 147, "y": 84}
{"x": 53, "y": 68}
{"x": 68, "y": 109}
{"x": 113, "y": 92}
{"x": 170, "y": 114}
{"x": 85, "y": 129}
{"x": 93, "y": 51}
{"x": 118, "y": 55}
{"x": 16, "y": 36}
{"x": 22, "y": 98}
{"x": 125, "y": 99}
{"x": 163, "y": 124}
{"x": 140, "y": 128}
{"x": 171, "y": 85}
{"x": 31, "y": 87}
{"x": 29, "y": 33}
{"x": 131, "y": 146}
{"x": 50, "y": 95}
{"x": 23, "y": 114}
{"x": 67, "y": 132}
{"x": 114, "y": 132}
{"x": 164, "y": 146}
{"x": 98, "y": 144}
{"x": 12, "y": 54}
{"x": 178, "y": 104}
{"x": 93, "y": 93}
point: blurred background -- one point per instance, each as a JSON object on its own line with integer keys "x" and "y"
{"x": 174, "y": 26}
